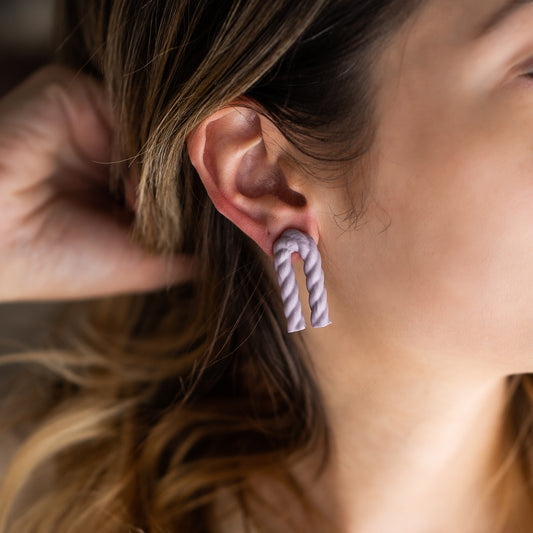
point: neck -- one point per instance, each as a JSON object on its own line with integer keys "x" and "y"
{"x": 418, "y": 439}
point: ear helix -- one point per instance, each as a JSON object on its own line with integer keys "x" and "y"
{"x": 290, "y": 241}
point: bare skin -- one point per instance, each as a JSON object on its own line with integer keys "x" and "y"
{"x": 62, "y": 236}
{"x": 431, "y": 298}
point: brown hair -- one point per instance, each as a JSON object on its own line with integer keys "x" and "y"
{"x": 159, "y": 401}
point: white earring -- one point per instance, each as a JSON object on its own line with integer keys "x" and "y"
{"x": 290, "y": 241}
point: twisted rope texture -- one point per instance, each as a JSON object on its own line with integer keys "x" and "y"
{"x": 293, "y": 240}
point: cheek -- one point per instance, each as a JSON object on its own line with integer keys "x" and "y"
{"x": 456, "y": 257}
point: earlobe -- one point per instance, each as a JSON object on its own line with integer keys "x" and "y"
{"x": 243, "y": 172}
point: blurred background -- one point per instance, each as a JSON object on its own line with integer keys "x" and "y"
{"x": 25, "y": 45}
{"x": 25, "y": 38}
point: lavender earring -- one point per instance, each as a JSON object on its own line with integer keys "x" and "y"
{"x": 291, "y": 241}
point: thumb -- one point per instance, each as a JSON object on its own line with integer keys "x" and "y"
{"x": 146, "y": 272}
{"x": 130, "y": 268}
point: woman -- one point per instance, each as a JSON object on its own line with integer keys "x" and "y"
{"x": 399, "y": 136}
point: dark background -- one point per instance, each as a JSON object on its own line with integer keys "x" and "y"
{"x": 25, "y": 45}
{"x": 25, "y": 38}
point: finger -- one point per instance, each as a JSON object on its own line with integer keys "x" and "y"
{"x": 83, "y": 249}
{"x": 56, "y": 117}
{"x": 130, "y": 268}
{"x": 134, "y": 272}
{"x": 117, "y": 265}
{"x": 148, "y": 272}
{"x": 89, "y": 120}
{"x": 145, "y": 273}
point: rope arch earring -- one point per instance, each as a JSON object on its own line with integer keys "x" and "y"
{"x": 290, "y": 241}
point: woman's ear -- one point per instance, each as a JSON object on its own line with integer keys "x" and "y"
{"x": 239, "y": 157}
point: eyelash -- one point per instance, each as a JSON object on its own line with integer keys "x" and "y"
{"x": 527, "y": 78}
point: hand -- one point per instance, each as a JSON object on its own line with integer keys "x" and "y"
{"x": 61, "y": 234}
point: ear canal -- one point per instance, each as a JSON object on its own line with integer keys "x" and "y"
{"x": 293, "y": 240}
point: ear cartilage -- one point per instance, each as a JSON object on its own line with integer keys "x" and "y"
{"x": 293, "y": 240}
